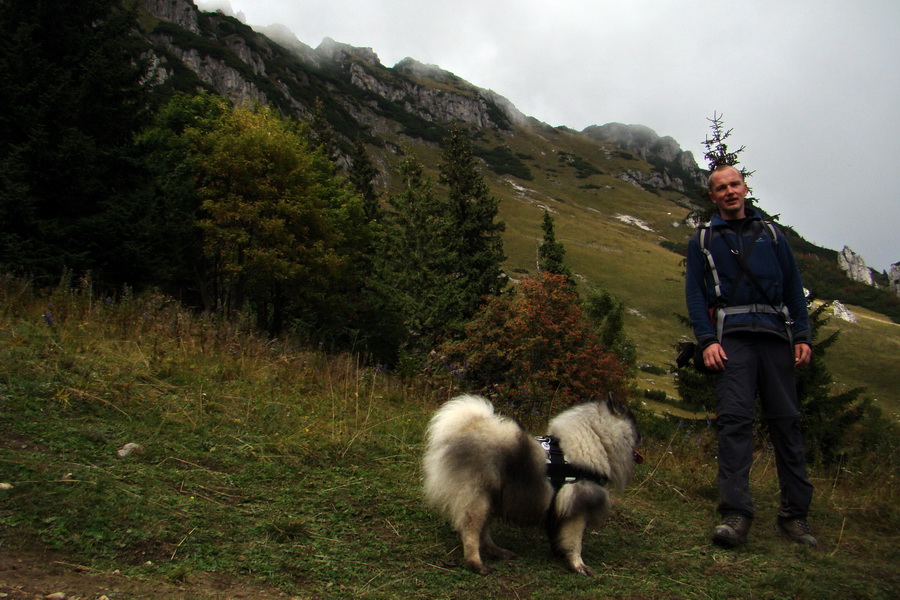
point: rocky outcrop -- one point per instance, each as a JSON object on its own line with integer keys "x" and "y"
{"x": 639, "y": 139}
{"x": 221, "y": 77}
{"x": 854, "y": 266}
{"x": 214, "y": 69}
{"x": 217, "y": 73}
{"x": 180, "y": 12}
{"x": 284, "y": 37}
{"x": 480, "y": 102}
{"x": 452, "y": 99}
{"x": 654, "y": 179}
{"x": 338, "y": 52}
{"x": 675, "y": 168}
{"x": 894, "y": 277}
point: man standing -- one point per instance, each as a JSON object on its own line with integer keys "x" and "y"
{"x": 747, "y": 307}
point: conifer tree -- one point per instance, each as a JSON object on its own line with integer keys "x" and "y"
{"x": 534, "y": 349}
{"x": 74, "y": 94}
{"x": 170, "y": 160}
{"x": 696, "y": 389}
{"x": 362, "y": 174}
{"x": 827, "y": 417}
{"x": 717, "y": 153}
{"x": 552, "y": 252}
{"x": 321, "y": 133}
{"x": 607, "y": 314}
{"x": 408, "y": 276}
{"x": 473, "y": 255}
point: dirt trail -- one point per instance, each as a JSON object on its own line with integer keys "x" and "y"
{"x": 31, "y": 575}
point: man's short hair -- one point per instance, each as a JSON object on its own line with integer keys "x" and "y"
{"x": 719, "y": 168}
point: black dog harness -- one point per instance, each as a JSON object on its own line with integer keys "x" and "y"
{"x": 560, "y": 472}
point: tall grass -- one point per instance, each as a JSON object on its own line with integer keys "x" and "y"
{"x": 299, "y": 469}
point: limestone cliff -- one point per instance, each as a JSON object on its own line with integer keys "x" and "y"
{"x": 180, "y": 12}
{"x": 854, "y": 266}
{"x": 232, "y": 59}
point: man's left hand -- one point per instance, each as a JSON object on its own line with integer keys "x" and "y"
{"x": 802, "y": 355}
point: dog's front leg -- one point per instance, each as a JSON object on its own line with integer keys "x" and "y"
{"x": 568, "y": 543}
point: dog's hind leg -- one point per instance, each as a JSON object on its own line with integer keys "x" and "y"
{"x": 472, "y": 530}
{"x": 568, "y": 542}
{"x": 492, "y": 550}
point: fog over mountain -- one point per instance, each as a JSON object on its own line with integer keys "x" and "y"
{"x": 808, "y": 87}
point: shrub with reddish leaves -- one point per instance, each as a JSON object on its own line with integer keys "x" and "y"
{"x": 534, "y": 350}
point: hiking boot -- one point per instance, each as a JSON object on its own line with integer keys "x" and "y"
{"x": 798, "y": 530}
{"x": 732, "y": 531}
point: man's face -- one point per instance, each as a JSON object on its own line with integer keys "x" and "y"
{"x": 728, "y": 192}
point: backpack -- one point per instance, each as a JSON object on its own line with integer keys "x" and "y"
{"x": 722, "y": 308}
{"x": 705, "y": 234}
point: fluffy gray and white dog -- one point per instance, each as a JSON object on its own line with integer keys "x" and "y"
{"x": 479, "y": 465}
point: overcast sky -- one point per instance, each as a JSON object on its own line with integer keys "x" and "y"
{"x": 810, "y": 87}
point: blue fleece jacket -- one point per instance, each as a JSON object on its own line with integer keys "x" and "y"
{"x": 772, "y": 264}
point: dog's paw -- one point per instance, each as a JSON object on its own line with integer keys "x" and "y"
{"x": 583, "y": 569}
{"x": 498, "y": 553}
{"x": 479, "y": 568}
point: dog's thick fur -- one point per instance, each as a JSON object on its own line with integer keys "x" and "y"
{"x": 478, "y": 465}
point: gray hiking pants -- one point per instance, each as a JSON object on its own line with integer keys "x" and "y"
{"x": 765, "y": 364}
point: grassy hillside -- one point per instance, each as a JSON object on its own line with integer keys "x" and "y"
{"x": 267, "y": 470}
{"x": 853, "y": 361}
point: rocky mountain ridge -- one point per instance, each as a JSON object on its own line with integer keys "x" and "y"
{"x": 250, "y": 67}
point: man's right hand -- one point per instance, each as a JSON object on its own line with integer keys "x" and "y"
{"x": 714, "y": 357}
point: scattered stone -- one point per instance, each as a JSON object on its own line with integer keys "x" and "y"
{"x": 639, "y": 223}
{"x": 55, "y": 596}
{"x": 129, "y": 449}
{"x": 842, "y": 312}
{"x": 5, "y": 486}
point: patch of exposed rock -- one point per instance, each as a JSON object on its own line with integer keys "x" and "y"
{"x": 854, "y": 266}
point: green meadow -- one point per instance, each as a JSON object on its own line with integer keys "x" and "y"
{"x": 276, "y": 471}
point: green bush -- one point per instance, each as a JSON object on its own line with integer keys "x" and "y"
{"x": 656, "y": 395}
{"x": 653, "y": 369}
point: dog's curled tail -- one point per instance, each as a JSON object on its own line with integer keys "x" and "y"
{"x": 460, "y": 466}
{"x": 456, "y": 416}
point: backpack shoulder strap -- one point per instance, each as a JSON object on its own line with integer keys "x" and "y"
{"x": 705, "y": 233}
{"x": 770, "y": 227}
